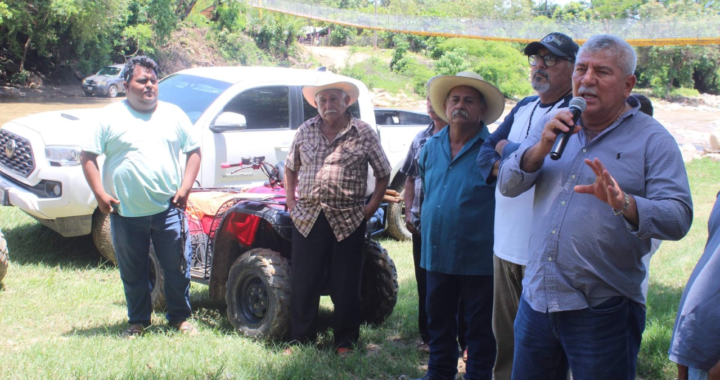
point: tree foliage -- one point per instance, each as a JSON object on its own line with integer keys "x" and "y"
{"x": 498, "y": 63}
{"x": 44, "y": 35}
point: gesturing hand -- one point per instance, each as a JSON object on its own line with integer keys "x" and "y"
{"x": 605, "y": 187}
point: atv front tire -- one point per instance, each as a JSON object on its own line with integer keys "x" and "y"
{"x": 258, "y": 294}
{"x": 379, "y": 289}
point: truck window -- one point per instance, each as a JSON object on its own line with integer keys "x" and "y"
{"x": 191, "y": 93}
{"x": 310, "y": 111}
{"x": 263, "y": 107}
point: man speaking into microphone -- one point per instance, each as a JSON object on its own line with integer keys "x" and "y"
{"x": 619, "y": 182}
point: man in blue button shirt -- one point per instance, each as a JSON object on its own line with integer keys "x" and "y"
{"x": 620, "y": 182}
{"x": 457, "y": 225}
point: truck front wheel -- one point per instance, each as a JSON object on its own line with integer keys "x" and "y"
{"x": 258, "y": 294}
{"x": 396, "y": 217}
{"x": 157, "y": 282}
{"x": 102, "y": 237}
{"x": 3, "y": 256}
{"x": 103, "y": 242}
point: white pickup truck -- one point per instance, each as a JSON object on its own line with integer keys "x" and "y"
{"x": 241, "y": 112}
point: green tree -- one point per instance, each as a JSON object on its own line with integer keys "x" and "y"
{"x": 401, "y": 47}
{"x": 57, "y": 29}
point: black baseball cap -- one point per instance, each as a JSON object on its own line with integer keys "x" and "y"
{"x": 559, "y": 44}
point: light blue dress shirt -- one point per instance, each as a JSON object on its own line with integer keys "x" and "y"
{"x": 581, "y": 254}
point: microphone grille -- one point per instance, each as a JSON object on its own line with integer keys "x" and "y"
{"x": 578, "y": 102}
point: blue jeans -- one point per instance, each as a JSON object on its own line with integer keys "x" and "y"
{"x": 131, "y": 240}
{"x": 444, "y": 292}
{"x": 697, "y": 374}
{"x": 598, "y": 343}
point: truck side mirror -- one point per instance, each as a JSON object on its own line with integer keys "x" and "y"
{"x": 228, "y": 121}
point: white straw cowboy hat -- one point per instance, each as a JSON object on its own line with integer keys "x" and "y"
{"x": 329, "y": 81}
{"x": 440, "y": 87}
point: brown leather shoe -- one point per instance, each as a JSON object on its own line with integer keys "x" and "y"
{"x": 186, "y": 328}
{"x": 133, "y": 331}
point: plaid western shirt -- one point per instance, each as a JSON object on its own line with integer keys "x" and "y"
{"x": 332, "y": 176}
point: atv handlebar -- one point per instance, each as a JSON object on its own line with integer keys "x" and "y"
{"x": 256, "y": 163}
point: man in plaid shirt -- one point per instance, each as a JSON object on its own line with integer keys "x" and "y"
{"x": 328, "y": 166}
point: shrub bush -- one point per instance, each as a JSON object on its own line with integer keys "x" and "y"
{"x": 684, "y": 92}
{"x": 375, "y": 73}
{"x": 452, "y": 62}
{"x": 498, "y": 63}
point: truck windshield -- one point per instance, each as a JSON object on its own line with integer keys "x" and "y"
{"x": 192, "y": 94}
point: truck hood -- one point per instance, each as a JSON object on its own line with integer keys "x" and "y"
{"x": 99, "y": 78}
{"x": 71, "y": 127}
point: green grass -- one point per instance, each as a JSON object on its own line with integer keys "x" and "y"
{"x": 62, "y": 307}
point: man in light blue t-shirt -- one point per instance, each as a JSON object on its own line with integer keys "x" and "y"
{"x": 144, "y": 191}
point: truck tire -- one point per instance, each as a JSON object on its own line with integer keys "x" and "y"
{"x": 103, "y": 242}
{"x": 379, "y": 289}
{"x": 112, "y": 91}
{"x": 258, "y": 294}
{"x": 396, "y": 217}
{"x": 102, "y": 236}
{"x": 3, "y": 256}
{"x": 157, "y": 282}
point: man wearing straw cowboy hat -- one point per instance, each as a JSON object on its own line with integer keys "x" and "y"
{"x": 457, "y": 225}
{"x": 328, "y": 166}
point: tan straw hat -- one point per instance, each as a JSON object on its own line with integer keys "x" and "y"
{"x": 330, "y": 81}
{"x": 440, "y": 86}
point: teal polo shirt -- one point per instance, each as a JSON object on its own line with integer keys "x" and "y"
{"x": 458, "y": 211}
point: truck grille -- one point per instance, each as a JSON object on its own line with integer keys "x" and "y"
{"x": 16, "y": 153}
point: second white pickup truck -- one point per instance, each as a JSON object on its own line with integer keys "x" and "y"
{"x": 241, "y": 112}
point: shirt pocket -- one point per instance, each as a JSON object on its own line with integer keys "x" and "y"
{"x": 308, "y": 151}
{"x": 353, "y": 155}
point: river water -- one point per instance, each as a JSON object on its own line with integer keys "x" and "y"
{"x": 14, "y": 108}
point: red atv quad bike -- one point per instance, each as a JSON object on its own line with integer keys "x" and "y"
{"x": 241, "y": 241}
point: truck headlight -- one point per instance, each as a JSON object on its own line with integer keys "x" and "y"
{"x": 63, "y": 155}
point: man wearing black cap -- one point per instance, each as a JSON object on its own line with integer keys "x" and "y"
{"x": 551, "y": 64}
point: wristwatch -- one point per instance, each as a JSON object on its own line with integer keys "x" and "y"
{"x": 625, "y": 205}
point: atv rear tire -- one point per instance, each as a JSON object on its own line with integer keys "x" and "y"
{"x": 379, "y": 289}
{"x": 396, "y": 218}
{"x": 102, "y": 237}
{"x": 258, "y": 294}
{"x": 3, "y": 256}
{"x": 157, "y": 282}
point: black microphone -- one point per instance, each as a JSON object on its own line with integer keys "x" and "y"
{"x": 577, "y": 106}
